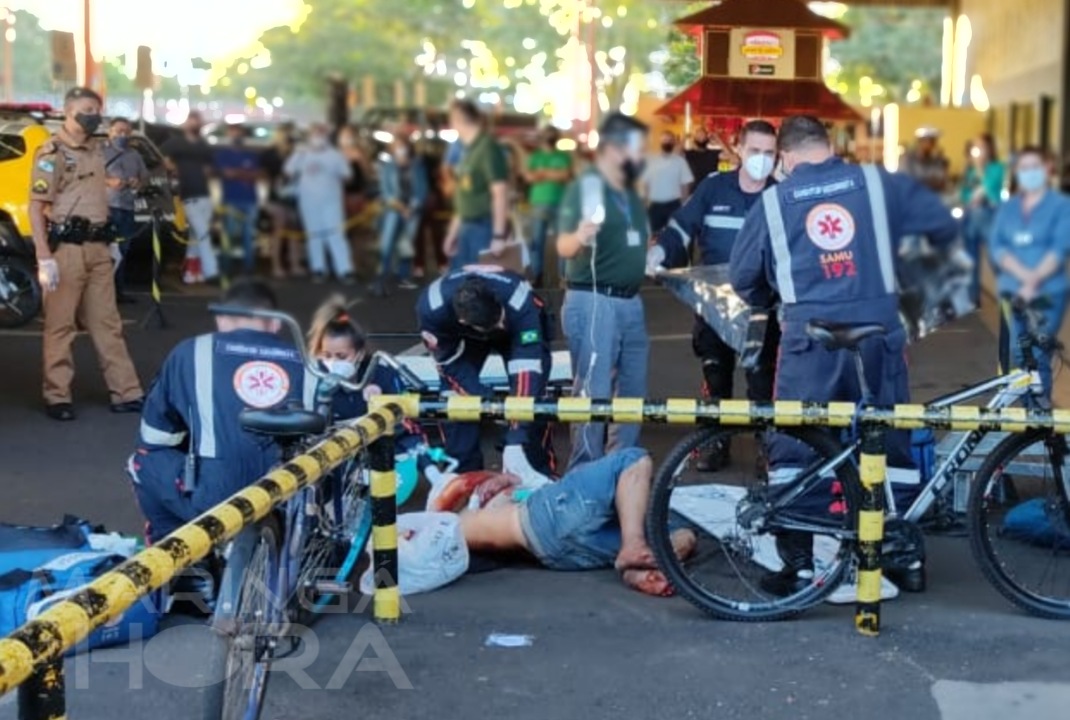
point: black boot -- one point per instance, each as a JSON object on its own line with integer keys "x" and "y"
{"x": 796, "y": 549}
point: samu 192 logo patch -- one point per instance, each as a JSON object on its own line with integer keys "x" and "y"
{"x": 261, "y": 384}
{"x": 529, "y": 337}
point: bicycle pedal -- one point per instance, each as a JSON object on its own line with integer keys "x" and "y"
{"x": 331, "y": 587}
{"x": 295, "y": 643}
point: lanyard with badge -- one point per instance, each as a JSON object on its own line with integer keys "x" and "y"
{"x": 624, "y": 204}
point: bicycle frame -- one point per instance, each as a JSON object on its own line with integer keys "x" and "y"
{"x": 1010, "y": 389}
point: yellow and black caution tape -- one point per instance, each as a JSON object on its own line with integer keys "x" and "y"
{"x": 782, "y": 413}
{"x": 39, "y": 645}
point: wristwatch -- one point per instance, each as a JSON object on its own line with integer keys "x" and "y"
{"x": 500, "y": 236}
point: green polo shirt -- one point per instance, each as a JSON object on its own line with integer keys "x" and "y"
{"x": 548, "y": 192}
{"x": 619, "y": 261}
{"x": 484, "y": 164}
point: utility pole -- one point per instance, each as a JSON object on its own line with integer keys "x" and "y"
{"x": 7, "y": 36}
{"x": 90, "y": 68}
{"x": 591, "y": 40}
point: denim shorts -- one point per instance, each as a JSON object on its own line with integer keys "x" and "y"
{"x": 572, "y": 524}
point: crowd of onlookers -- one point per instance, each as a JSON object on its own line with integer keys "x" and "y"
{"x": 381, "y": 203}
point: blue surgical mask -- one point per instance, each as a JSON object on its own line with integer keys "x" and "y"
{"x": 1032, "y": 179}
{"x": 120, "y": 142}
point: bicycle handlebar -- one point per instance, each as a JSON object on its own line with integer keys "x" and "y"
{"x": 310, "y": 364}
{"x": 1035, "y": 333}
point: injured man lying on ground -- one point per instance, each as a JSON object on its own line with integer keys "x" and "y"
{"x": 591, "y": 519}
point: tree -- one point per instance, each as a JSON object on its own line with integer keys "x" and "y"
{"x": 892, "y": 46}
{"x": 496, "y": 39}
{"x": 32, "y": 54}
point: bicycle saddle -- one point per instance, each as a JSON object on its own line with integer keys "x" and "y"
{"x": 842, "y": 336}
{"x": 285, "y": 422}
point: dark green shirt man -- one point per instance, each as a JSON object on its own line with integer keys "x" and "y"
{"x": 484, "y": 163}
{"x": 603, "y": 235}
{"x": 619, "y": 248}
{"x": 481, "y": 198}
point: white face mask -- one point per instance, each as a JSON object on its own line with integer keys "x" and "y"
{"x": 759, "y": 167}
{"x": 318, "y": 141}
{"x": 344, "y": 369}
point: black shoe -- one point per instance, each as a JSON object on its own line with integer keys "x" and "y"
{"x": 64, "y": 412}
{"x": 123, "y": 299}
{"x": 194, "y": 590}
{"x": 787, "y": 582}
{"x": 718, "y": 458}
{"x": 130, "y": 406}
{"x": 911, "y": 580}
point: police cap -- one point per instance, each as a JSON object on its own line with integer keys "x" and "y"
{"x": 77, "y": 93}
{"x": 618, "y": 128}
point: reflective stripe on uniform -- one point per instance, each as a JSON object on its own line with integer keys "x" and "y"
{"x": 520, "y": 295}
{"x": 155, "y": 436}
{"x": 684, "y": 237}
{"x": 434, "y": 295}
{"x": 881, "y": 230}
{"x": 723, "y": 222}
{"x": 308, "y": 394}
{"x": 202, "y": 382}
{"x": 515, "y": 367}
{"x": 454, "y": 356}
{"x": 778, "y": 237}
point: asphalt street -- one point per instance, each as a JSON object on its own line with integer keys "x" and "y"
{"x": 596, "y": 649}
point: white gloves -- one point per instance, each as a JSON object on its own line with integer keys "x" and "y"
{"x": 116, "y": 254}
{"x": 515, "y": 462}
{"x": 655, "y": 259}
{"x": 48, "y": 274}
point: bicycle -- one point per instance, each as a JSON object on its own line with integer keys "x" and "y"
{"x": 285, "y": 570}
{"x": 738, "y": 514}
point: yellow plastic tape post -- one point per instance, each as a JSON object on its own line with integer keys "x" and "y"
{"x": 788, "y": 413}
{"x": 909, "y": 417}
{"x": 574, "y": 410}
{"x": 1061, "y": 419}
{"x": 385, "y": 537}
{"x": 1012, "y": 419}
{"x": 840, "y": 414}
{"x": 965, "y": 417}
{"x": 464, "y": 408}
{"x": 735, "y": 412}
{"x": 409, "y": 404}
{"x": 870, "y": 525}
{"x": 869, "y": 586}
{"x": 520, "y": 409}
{"x": 681, "y": 412}
{"x": 627, "y": 410}
{"x": 384, "y": 484}
{"x": 872, "y": 469}
{"x": 387, "y": 604}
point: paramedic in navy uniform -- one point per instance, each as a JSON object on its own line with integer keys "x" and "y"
{"x": 825, "y": 240}
{"x": 192, "y": 452}
{"x": 714, "y": 214}
{"x": 464, "y": 317}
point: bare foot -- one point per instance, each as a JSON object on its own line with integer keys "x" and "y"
{"x": 684, "y": 542}
{"x": 649, "y": 582}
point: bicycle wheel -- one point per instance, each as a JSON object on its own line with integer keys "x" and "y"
{"x": 248, "y": 620}
{"x": 738, "y": 514}
{"x": 1019, "y": 520}
{"x": 334, "y": 540}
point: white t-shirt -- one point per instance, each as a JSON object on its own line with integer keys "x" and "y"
{"x": 665, "y": 176}
{"x": 321, "y": 174}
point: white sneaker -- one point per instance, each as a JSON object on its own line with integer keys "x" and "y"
{"x": 515, "y": 462}
{"x": 847, "y": 593}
